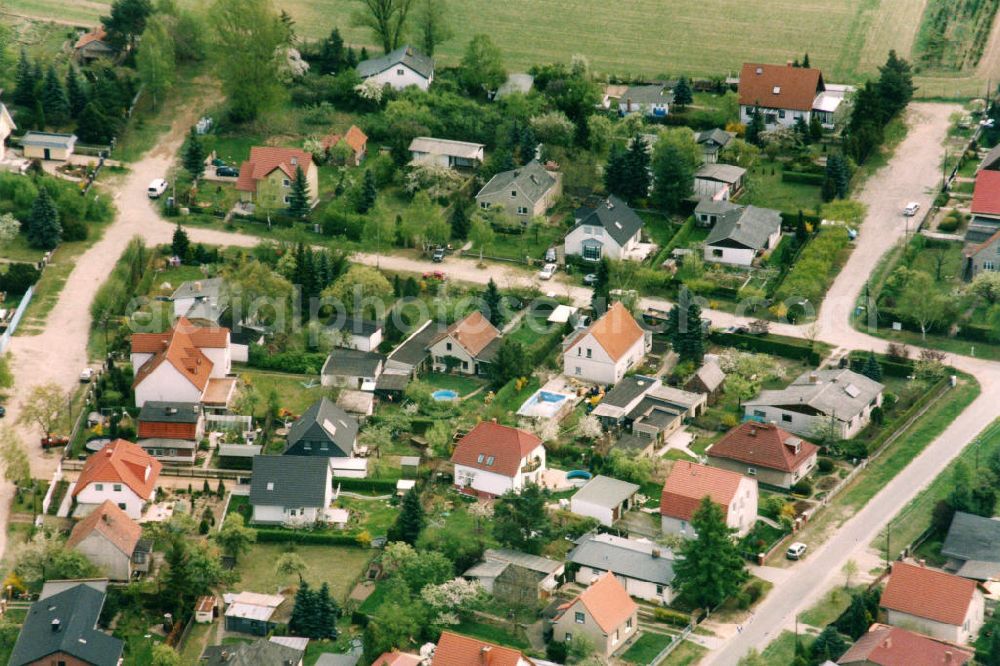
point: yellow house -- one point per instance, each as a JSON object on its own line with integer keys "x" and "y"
{"x": 6, "y": 127}
{"x": 266, "y": 178}
{"x": 48, "y": 146}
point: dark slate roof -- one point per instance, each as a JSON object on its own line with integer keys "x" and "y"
{"x": 656, "y": 93}
{"x": 632, "y": 443}
{"x": 295, "y": 480}
{"x": 992, "y": 158}
{"x": 489, "y": 352}
{"x": 76, "y": 610}
{"x": 620, "y": 221}
{"x": 749, "y": 226}
{"x": 413, "y": 350}
{"x": 532, "y": 179}
{"x": 169, "y": 412}
{"x": 627, "y": 390}
{"x": 407, "y": 55}
{"x": 715, "y": 135}
{"x": 624, "y": 557}
{"x": 318, "y": 421}
{"x": 838, "y": 392}
{"x": 355, "y": 325}
{"x": 352, "y": 363}
{"x": 972, "y": 537}
{"x": 261, "y": 652}
{"x": 48, "y": 139}
{"x": 245, "y": 335}
{"x": 391, "y": 381}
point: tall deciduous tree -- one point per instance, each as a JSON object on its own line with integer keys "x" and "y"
{"x": 712, "y": 568}
{"x": 156, "y": 60}
{"x": 431, "y": 24}
{"x": 235, "y": 538}
{"x": 482, "y": 67}
{"x": 520, "y": 521}
{"x": 481, "y": 233}
{"x": 291, "y": 563}
{"x": 922, "y": 302}
{"x": 44, "y": 231}
{"x": 247, "y": 35}
{"x": 387, "y": 20}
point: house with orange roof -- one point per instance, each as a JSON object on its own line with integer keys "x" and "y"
{"x": 266, "y": 177}
{"x": 783, "y": 94}
{"x": 494, "y": 459}
{"x": 186, "y": 364}
{"x": 121, "y": 473}
{"x": 689, "y": 483}
{"x": 604, "y": 613}
{"x": 397, "y": 658}
{"x": 353, "y": 145}
{"x": 458, "y": 650}
{"x": 609, "y": 348}
{"x": 935, "y": 603}
{"x": 112, "y": 542}
{"x": 468, "y": 346}
{"x": 985, "y": 222}
{"x": 93, "y": 45}
{"x": 885, "y": 645}
{"x": 764, "y": 451}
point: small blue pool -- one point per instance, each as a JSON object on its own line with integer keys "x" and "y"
{"x": 578, "y": 474}
{"x": 546, "y": 396}
{"x": 442, "y": 395}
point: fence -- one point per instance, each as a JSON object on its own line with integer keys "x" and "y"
{"x": 16, "y": 319}
{"x": 56, "y": 478}
{"x": 665, "y": 652}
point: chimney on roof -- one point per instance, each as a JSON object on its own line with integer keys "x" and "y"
{"x": 813, "y": 378}
{"x": 294, "y": 160}
{"x": 484, "y": 653}
{"x": 888, "y": 642}
{"x": 106, "y": 518}
{"x": 55, "y": 625}
{"x": 922, "y": 563}
{"x": 789, "y": 63}
{"x": 753, "y": 431}
{"x": 108, "y": 450}
{"x": 655, "y": 553}
{"x": 197, "y": 285}
{"x": 947, "y": 656}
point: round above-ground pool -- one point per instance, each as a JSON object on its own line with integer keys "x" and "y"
{"x": 444, "y": 394}
{"x": 578, "y": 474}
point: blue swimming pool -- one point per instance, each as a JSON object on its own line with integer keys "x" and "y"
{"x": 578, "y": 474}
{"x": 543, "y": 404}
{"x": 546, "y": 396}
{"x": 444, "y": 394}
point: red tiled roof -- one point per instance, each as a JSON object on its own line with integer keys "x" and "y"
{"x": 689, "y": 483}
{"x": 986, "y": 194}
{"x": 797, "y": 86}
{"x": 355, "y": 139}
{"x": 891, "y": 646}
{"x": 181, "y": 347}
{"x": 763, "y": 445}
{"x": 457, "y": 650}
{"x": 396, "y": 658}
{"x": 121, "y": 462}
{"x": 506, "y": 445}
{"x": 473, "y": 332}
{"x": 265, "y": 159}
{"x": 110, "y": 522}
{"x": 161, "y": 430}
{"x": 96, "y": 35}
{"x": 607, "y": 602}
{"x": 616, "y": 331}
{"x": 928, "y": 593}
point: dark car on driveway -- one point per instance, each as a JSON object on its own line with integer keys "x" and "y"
{"x": 228, "y": 171}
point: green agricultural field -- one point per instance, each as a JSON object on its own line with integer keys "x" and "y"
{"x": 649, "y": 37}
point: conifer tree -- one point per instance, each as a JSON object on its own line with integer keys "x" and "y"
{"x": 616, "y": 172}
{"x": 369, "y": 193}
{"x": 805, "y": 60}
{"x": 637, "y": 170}
{"x": 460, "y": 222}
{"x": 755, "y": 128}
{"x": 410, "y": 520}
{"x": 712, "y": 568}
{"x": 44, "y": 231}
{"x": 682, "y": 93}
{"x": 54, "y": 98}
{"x": 180, "y": 244}
{"x": 24, "y": 82}
{"x": 492, "y": 304}
{"x": 298, "y": 197}
{"x": 194, "y": 155}
{"x": 75, "y": 93}
{"x": 872, "y": 369}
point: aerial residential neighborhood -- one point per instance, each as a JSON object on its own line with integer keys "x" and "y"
{"x": 450, "y": 333}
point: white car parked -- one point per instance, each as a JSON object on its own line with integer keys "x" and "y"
{"x": 911, "y": 209}
{"x": 548, "y": 270}
{"x": 87, "y": 375}
{"x": 156, "y": 188}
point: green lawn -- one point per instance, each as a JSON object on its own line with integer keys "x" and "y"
{"x": 461, "y": 384}
{"x": 488, "y": 632}
{"x": 829, "y": 607}
{"x": 292, "y": 394}
{"x": 508, "y": 399}
{"x": 375, "y": 516}
{"x": 781, "y": 651}
{"x": 338, "y": 566}
{"x": 646, "y": 648}
{"x": 195, "y": 642}
{"x": 769, "y": 191}
{"x": 686, "y": 654}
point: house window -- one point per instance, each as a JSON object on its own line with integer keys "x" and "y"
{"x": 121, "y": 505}
{"x": 716, "y": 252}
{"x": 589, "y": 354}
{"x": 286, "y": 200}
{"x": 465, "y": 365}
{"x": 578, "y": 370}
{"x": 659, "y": 593}
{"x": 781, "y": 113}
{"x": 568, "y": 637}
{"x": 98, "y": 487}
{"x": 307, "y": 446}
{"x": 447, "y": 346}
{"x": 490, "y": 461}
{"x": 400, "y": 72}
{"x": 787, "y": 418}
{"x": 759, "y": 412}
{"x": 285, "y": 182}
{"x": 987, "y": 265}
{"x": 592, "y": 252}
{"x": 579, "y": 618}
{"x": 522, "y": 210}
{"x": 751, "y": 471}
{"x": 628, "y": 622}
{"x": 117, "y": 487}
{"x": 270, "y": 485}
{"x": 480, "y": 458}
{"x": 579, "y": 351}
{"x": 484, "y": 204}
{"x": 513, "y": 193}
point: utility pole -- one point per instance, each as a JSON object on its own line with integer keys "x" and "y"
{"x": 888, "y": 532}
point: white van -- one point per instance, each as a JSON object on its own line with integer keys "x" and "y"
{"x": 156, "y": 188}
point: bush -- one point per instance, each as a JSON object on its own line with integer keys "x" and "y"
{"x": 825, "y": 465}
{"x": 296, "y": 362}
{"x": 767, "y": 344}
{"x": 274, "y": 535}
{"x": 803, "y": 487}
{"x": 802, "y": 177}
{"x": 671, "y": 617}
{"x": 367, "y": 485}
{"x": 948, "y": 224}
{"x": 18, "y": 278}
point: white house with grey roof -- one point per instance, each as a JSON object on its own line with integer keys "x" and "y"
{"x": 836, "y": 400}
{"x": 712, "y": 142}
{"x": 355, "y": 332}
{"x": 291, "y": 490}
{"x": 740, "y": 233}
{"x": 399, "y": 69}
{"x": 352, "y": 368}
{"x": 199, "y": 299}
{"x": 719, "y": 182}
{"x": 516, "y": 577}
{"x": 604, "y": 499}
{"x": 446, "y": 152}
{"x": 644, "y": 568}
{"x": 650, "y": 100}
{"x": 973, "y": 547}
{"x": 609, "y": 229}
{"x": 526, "y": 191}
{"x": 324, "y": 430}
{"x": 48, "y": 145}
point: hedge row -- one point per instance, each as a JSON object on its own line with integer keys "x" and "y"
{"x": 789, "y": 221}
{"x": 681, "y": 237}
{"x": 296, "y": 362}
{"x": 800, "y": 351}
{"x": 802, "y": 177}
{"x": 672, "y": 617}
{"x": 276, "y": 535}
{"x": 891, "y": 367}
{"x": 367, "y": 485}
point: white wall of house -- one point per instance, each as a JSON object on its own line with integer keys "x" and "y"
{"x": 279, "y": 515}
{"x": 735, "y": 256}
{"x": 960, "y": 634}
{"x": 741, "y": 514}
{"x": 772, "y": 477}
{"x": 591, "y": 234}
{"x": 346, "y": 381}
{"x": 448, "y": 346}
{"x": 112, "y": 562}
{"x": 774, "y": 118}
{"x": 138, "y": 360}
{"x": 707, "y": 188}
{"x": 640, "y": 589}
{"x": 221, "y": 358}
{"x": 808, "y": 425}
{"x": 603, "y": 514}
{"x": 598, "y": 367}
{"x": 368, "y": 343}
{"x": 497, "y": 484}
{"x": 399, "y": 76}
{"x": 166, "y": 383}
{"x": 567, "y": 626}
{"x": 95, "y": 493}
{"x": 239, "y": 353}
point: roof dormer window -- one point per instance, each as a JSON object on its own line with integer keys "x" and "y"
{"x": 480, "y": 458}
{"x": 490, "y": 461}
{"x": 776, "y": 90}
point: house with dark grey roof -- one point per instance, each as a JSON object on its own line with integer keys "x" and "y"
{"x": 355, "y": 332}
{"x": 262, "y": 651}
{"x": 516, "y": 577}
{"x": 399, "y": 69}
{"x": 324, "y": 430}
{"x": 742, "y": 234}
{"x": 170, "y": 431}
{"x": 609, "y": 229}
{"x": 973, "y": 547}
{"x": 646, "y": 569}
{"x": 712, "y": 142}
{"x": 650, "y": 100}
{"x": 411, "y": 356}
{"x": 720, "y": 182}
{"x": 818, "y": 402}
{"x": 622, "y": 399}
{"x": 290, "y": 489}
{"x": 62, "y": 629}
{"x": 199, "y": 299}
{"x": 526, "y": 191}
{"x": 351, "y": 368}
{"x": 645, "y": 407}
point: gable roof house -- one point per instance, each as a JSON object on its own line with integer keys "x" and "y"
{"x": 355, "y": 332}
{"x": 712, "y": 142}
{"x": 112, "y": 542}
{"x": 603, "y": 612}
{"x": 120, "y": 472}
{"x": 354, "y": 143}
{"x": 62, "y": 628}
{"x": 351, "y": 368}
{"x": 782, "y": 93}
{"x": 708, "y": 379}
{"x": 171, "y": 431}
{"x": 973, "y": 547}
{"x": 718, "y": 182}
{"x": 446, "y": 152}
{"x": 291, "y": 490}
{"x": 985, "y": 210}
{"x": 408, "y": 359}
{"x": 662, "y": 411}
{"x": 650, "y": 100}
{"x": 646, "y": 569}
{"x": 527, "y": 191}
{"x": 604, "y": 499}
{"x": 199, "y": 299}
{"x": 266, "y": 177}
{"x": 607, "y": 349}
{"x": 933, "y": 602}
{"x": 93, "y": 45}
{"x": 261, "y": 652}
{"x": 689, "y": 483}
{"x": 253, "y": 613}
{"x": 399, "y": 69}
{"x": 834, "y": 399}
{"x": 457, "y": 650}
{"x": 468, "y": 346}
{"x": 609, "y": 229}
{"x": 515, "y": 577}
{"x": 765, "y": 451}
{"x": 494, "y": 459}
{"x": 188, "y": 363}
{"x": 7, "y": 127}
{"x": 323, "y": 430}
{"x": 983, "y": 256}
{"x": 884, "y": 645}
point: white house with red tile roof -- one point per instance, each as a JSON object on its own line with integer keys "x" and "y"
{"x": 110, "y": 539}
{"x": 764, "y": 451}
{"x": 933, "y": 602}
{"x": 457, "y": 650}
{"x": 494, "y": 459}
{"x": 397, "y": 658}
{"x": 266, "y": 177}
{"x": 604, "y": 613}
{"x": 689, "y": 483}
{"x": 188, "y": 364}
{"x": 472, "y": 342}
{"x": 884, "y": 645}
{"x": 609, "y": 348}
{"x": 120, "y": 472}
{"x": 783, "y": 94}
